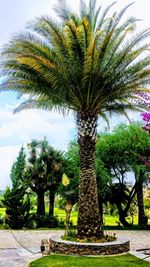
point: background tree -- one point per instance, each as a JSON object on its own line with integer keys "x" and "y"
{"x": 103, "y": 180}
{"x": 35, "y": 175}
{"x": 138, "y": 141}
{"x": 114, "y": 161}
{"x": 43, "y": 172}
{"x": 72, "y": 169}
{"x": 85, "y": 63}
{"x": 17, "y": 206}
{"x": 69, "y": 191}
{"x": 54, "y": 163}
{"x": 17, "y": 173}
{"x": 112, "y": 151}
{"x": 121, "y": 152}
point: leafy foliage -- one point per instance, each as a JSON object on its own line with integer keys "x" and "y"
{"x": 122, "y": 151}
{"x": 137, "y": 142}
{"x": 38, "y": 221}
{"x": 87, "y": 63}
{"x": 43, "y": 171}
{"x": 17, "y": 207}
{"x": 17, "y": 174}
{"x": 71, "y": 167}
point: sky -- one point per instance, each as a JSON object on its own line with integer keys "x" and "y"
{"x": 19, "y": 129}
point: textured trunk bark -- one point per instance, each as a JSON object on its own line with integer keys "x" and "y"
{"x": 40, "y": 203}
{"x": 51, "y": 201}
{"x": 142, "y": 219}
{"x": 122, "y": 218}
{"x": 123, "y": 215}
{"x": 68, "y": 209}
{"x": 89, "y": 221}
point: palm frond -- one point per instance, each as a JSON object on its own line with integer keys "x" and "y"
{"x": 62, "y": 10}
{"x": 83, "y": 8}
{"x": 102, "y": 19}
{"x": 87, "y": 63}
{"x": 42, "y": 103}
{"x": 105, "y": 118}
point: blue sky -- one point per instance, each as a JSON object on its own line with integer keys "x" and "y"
{"x": 19, "y": 129}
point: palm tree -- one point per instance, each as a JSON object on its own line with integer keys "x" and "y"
{"x": 36, "y": 174}
{"x": 43, "y": 172}
{"x": 92, "y": 64}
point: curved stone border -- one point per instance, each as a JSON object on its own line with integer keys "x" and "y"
{"x": 57, "y": 245}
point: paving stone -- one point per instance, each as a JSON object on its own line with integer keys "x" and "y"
{"x": 7, "y": 240}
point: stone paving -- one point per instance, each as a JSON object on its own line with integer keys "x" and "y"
{"x": 12, "y": 254}
{"x": 138, "y": 239}
{"x": 14, "y": 257}
{"x": 6, "y": 240}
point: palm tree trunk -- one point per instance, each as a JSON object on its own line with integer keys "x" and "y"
{"x": 40, "y": 203}
{"x": 51, "y": 200}
{"x": 89, "y": 222}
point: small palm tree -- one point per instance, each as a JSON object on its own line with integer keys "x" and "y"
{"x": 43, "y": 172}
{"x": 91, "y": 64}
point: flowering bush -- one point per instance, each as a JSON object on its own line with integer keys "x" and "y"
{"x": 146, "y": 127}
{"x": 146, "y": 119}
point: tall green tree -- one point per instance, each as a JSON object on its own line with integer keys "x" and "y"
{"x": 122, "y": 151}
{"x": 88, "y": 63}
{"x": 43, "y": 172}
{"x": 70, "y": 191}
{"x": 53, "y": 169}
{"x": 36, "y": 174}
{"x": 138, "y": 141}
{"x": 17, "y": 206}
{"x": 17, "y": 173}
{"x": 112, "y": 150}
{"x": 103, "y": 180}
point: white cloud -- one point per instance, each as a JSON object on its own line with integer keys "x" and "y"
{"x": 30, "y": 124}
{"x": 8, "y": 155}
{"x": 22, "y": 127}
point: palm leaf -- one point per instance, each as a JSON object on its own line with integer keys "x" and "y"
{"x": 85, "y": 63}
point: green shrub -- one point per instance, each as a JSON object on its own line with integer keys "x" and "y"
{"x": 147, "y": 212}
{"x": 31, "y": 224}
{"x": 147, "y": 203}
{"x": 17, "y": 207}
{"x": 1, "y": 204}
{"x": 62, "y": 223}
{"x": 60, "y": 203}
{"x": 38, "y": 221}
{"x": 1, "y": 219}
{"x": 6, "y": 226}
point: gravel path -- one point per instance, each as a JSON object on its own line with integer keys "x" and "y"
{"x": 12, "y": 254}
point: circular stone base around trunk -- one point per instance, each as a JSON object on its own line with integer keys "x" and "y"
{"x": 57, "y": 245}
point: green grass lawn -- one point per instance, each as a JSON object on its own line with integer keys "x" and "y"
{"x": 76, "y": 261}
{"x": 2, "y": 212}
{"x": 108, "y": 219}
